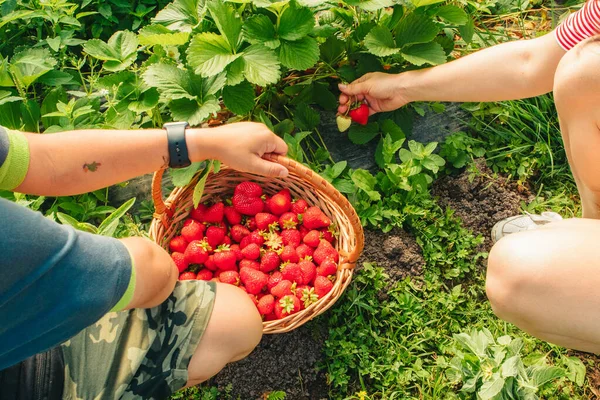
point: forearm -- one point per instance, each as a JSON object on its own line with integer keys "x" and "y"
{"x": 76, "y": 162}
{"x": 507, "y": 71}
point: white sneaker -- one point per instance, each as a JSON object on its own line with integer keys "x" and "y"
{"x": 520, "y": 223}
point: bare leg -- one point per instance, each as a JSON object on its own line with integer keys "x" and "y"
{"x": 234, "y": 330}
{"x": 547, "y": 281}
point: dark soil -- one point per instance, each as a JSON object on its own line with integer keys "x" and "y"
{"x": 480, "y": 200}
{"x": 396, "y": 251}
{"x": 286, "y": 362}
{"x": 592, "y": 366}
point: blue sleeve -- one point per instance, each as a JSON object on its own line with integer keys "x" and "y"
{"x": 54, "y": 281}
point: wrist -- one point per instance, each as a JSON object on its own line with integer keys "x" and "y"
{"x": 407, "y": 85}
{"x": 202, "y": 144}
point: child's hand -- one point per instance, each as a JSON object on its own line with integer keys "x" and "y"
{"x": 241, "y": 146}
{"x": 382, "y": 92}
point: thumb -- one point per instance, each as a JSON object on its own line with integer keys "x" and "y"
{"x": 268, "y": 168}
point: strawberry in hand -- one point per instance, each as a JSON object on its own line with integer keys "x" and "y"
{"x": 360, "y": 114}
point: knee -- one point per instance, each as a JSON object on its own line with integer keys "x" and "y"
{"x": 577, "y": 72}
{"x": 507, "y": 276}
{"x": 243, "y": 329}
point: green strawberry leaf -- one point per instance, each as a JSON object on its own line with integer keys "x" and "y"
{"x": 300, "y": 55}
{"x": 296, "y": 22}
{"x": 209, "y": 54}
{"x": 423, "y": 3}
{"x": 380, "y": 42}
{"x": 305, "y": 118}
{"x": 118, "y": 53}
{"x": 30, "y": 64}
{"x": 259, "y": 29}
{"x": 235, "y": 72}
{"x": 416, "y": 28}
{"x": 193, "y": 111}
{"x": 199, "y": 188}
{"x": 228, "y": 22}
{"x": 370, "y": 5}
{"x": 424, "y": 53}
{"x": 147, "y": 101}
{"x": 110, "y": 224}
{"x": 181, "y": 15}
{"x": 453, "y": 14}
{"x": 467, "y": 31}
{"x": 240, "y": 98}
{"x": 363, "y": 134}
{"x": 261, "y": 65}
{"x": 172, "y": 83}
{"x": 152, "y": 35}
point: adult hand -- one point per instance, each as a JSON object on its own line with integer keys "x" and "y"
{"x": 382, "y": 92}
{"x": 242, "y": 145}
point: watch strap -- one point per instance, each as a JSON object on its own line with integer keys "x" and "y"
{"x": 178, "y": 152}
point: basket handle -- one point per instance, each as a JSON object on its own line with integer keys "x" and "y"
{"x": 298, "y": 169}
{"x": 157, "y": 196}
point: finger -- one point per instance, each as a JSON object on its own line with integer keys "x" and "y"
{"x": 280, "y": 146}
{"x": 342, "y": 109}
{"x": 267, "y": 168}
{"x": 343, "y": 98}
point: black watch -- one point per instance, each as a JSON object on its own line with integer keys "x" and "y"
{"x": 178, "y": 152}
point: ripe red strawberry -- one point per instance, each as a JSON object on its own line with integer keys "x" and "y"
{"x": 274, "y": 279}
{"x": 231, "y": 277}
{"x": 299, "y": 289}
{"x": 325, "y": 251}
{"x": 309, "y": 271}
{"x": 288, "y": 220}
{"x": 266, "y": 203}
{"x": 288, "y": 305}
{"x": 253, "y": 280}
{"x": 215, "y": 236}
{"x": 322, "y": 286}
{"x": 197, "y": 252}
{"x": 198, "y": 213}
{"x": 269, "y": 261}
{"x": 193, "y": 231}
{"x": 237, "y": 251}
{"x": 312, "y": 238}
{"x": 360, "y": 114}
{"x": 178, "y": 244}
{"x": 291, "y": 237}
{"x": 210, "y": 263}
{"x": 251, "y": 224}
{"x": 226, "y": 240}
{"x": 328, "y": 235}
{"x": 308, "y": 296}
{"x": 247, "y": 205}
{"x": 292, "y": 272}
{"x": 180, "y": 261}
{"x": 245, "y": 242}
{"x": 187, "y": 276}
{"x": 249, "y": 264}
{"x": 225, "y": 259}
{"x": 313, "y": 218}
{"x": 204, "y": 275}
{"x": 286, "y": 193}
{"x": 303, "y": 231}
{"x": 328, "y": 267}
{"x": 238, "y": 232}
{"x": 270, "y": 317}
{"x": 266, "y": 304}
{"x": 304, "y": 251}
{"x": 189, "y": 221}
{"x": 273, "y": 241}
{"x": 248, "y": 189}
{"x": 282, "y": 289}
{"x": 251, "y": 252}
{"x": 213, "y": 214}
{"x": 280, "y": 203}
{"x": 232, "y": 216}
{"x": 256, "y": 237}
{"x": 299, "y": 206}
{"x": 288, "y": 254}
{"x": 266, "y": 222}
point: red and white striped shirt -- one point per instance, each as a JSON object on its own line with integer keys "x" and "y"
{"x": 580, "y": 25}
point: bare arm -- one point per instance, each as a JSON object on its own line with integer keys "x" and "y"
{"x": 507, "y": 71}
{"x": 74, "y": 162}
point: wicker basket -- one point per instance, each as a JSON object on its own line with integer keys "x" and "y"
{"x": 302, "y": 182}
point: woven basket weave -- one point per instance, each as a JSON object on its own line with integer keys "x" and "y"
{"x": 303, "y": 183}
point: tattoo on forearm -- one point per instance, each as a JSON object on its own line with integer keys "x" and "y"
{"x": 92, "y": 167}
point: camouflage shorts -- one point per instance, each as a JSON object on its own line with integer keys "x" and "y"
{"x": 139, "y": 354}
